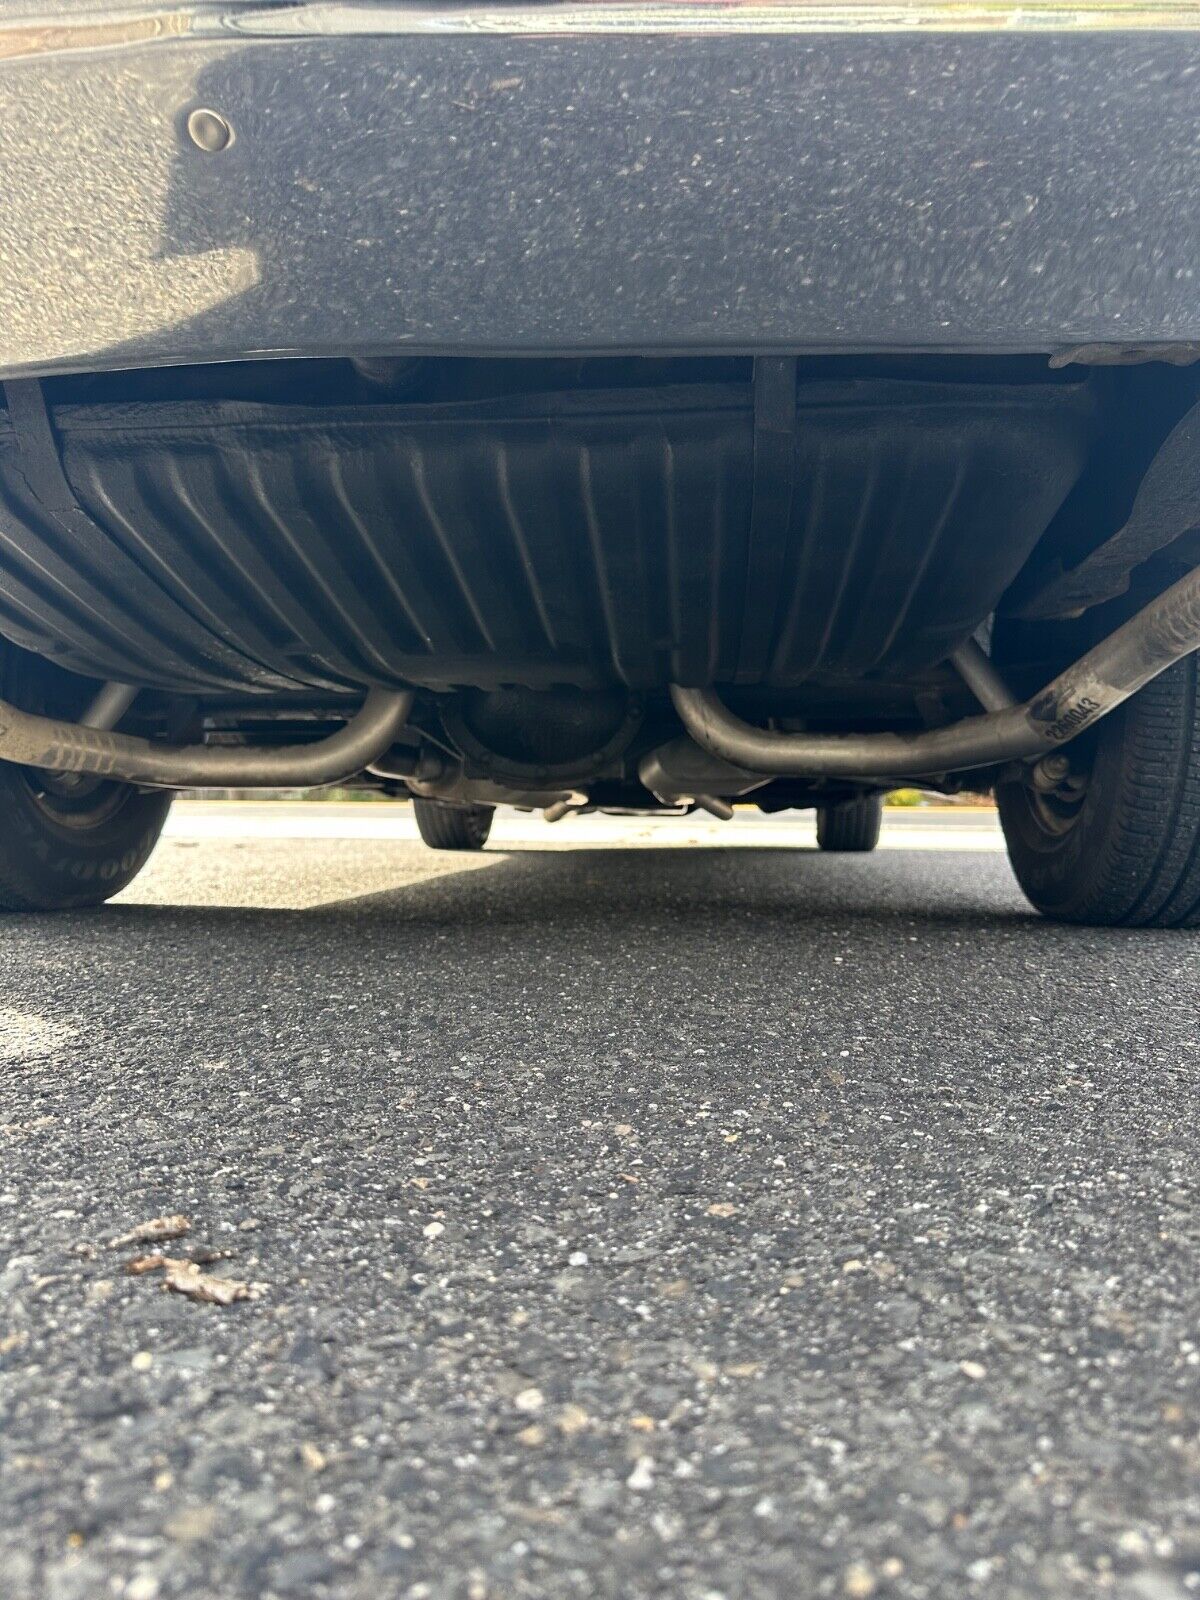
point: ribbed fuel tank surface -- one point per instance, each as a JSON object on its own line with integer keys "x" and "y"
{"x": 594, "y": 537}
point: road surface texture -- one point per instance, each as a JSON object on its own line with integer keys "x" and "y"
{"x": 621, "y": 1220}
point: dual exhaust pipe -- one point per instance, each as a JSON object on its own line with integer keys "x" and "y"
{"x": 1162, "y": 633}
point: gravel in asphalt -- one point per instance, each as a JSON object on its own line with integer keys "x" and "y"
{"x": 719, "y": 1224}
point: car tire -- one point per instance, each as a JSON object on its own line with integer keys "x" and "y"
{"x": 70, "y": 843}
{"x": 851, "y": 826}
{"x": 1117, "y": 844}
{"x": 447, "y": 827}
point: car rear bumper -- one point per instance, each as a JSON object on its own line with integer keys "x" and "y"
{"x": 595, "y": 178}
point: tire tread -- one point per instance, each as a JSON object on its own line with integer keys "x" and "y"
{"x": 851, "y": 826}
{"x": 447, "y": 827}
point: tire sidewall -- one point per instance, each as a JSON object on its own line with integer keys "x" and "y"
{"x": 47, "y": 865}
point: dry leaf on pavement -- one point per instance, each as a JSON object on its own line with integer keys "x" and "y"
{"x": 185, "y": 1277}
{"x": 153, "y": 1232}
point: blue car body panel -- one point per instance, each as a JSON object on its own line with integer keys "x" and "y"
{"x": 594, "y": 178}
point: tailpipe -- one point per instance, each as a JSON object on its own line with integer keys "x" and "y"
{"x": 1164, "y": 632}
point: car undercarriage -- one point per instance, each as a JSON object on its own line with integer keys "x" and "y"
{"x": 779, "y": 457}
{"x": 543, "y": 560}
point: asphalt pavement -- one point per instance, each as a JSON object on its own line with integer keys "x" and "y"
{"x": 632, "y": 1210}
